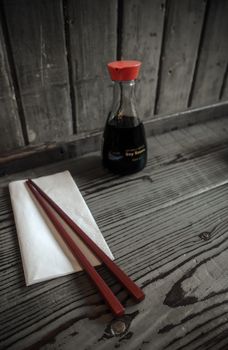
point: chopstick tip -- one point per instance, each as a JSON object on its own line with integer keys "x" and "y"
{"x": 120, "y": 312}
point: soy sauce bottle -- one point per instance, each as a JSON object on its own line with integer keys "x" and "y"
{"x": 124, "y": 142}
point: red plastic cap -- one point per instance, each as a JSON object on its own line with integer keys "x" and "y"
{"x": 124, "y": 70}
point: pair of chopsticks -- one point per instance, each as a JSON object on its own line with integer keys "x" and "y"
{"x": 116, "y": 307}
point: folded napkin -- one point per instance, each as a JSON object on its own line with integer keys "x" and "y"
{"x": 44, "y": 254}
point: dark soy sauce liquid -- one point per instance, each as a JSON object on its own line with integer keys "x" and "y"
{"x": 124, "y": 147}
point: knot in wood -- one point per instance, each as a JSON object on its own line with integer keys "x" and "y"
{"x": 205, "y": 236}
{"x": 118, "y": 327}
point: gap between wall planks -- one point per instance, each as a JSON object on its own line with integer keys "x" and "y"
{"x": 69, "y": 63}
{"x": 224, "y": 88}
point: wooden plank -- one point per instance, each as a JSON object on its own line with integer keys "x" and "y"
{"x": 180, "y": 270}
{"x": 169, "y": 122}
{"x": 212, "y": 56}
{"x": 224, "y": 88}
{"x": 180, "y": 48}
{"x": 167, "y": 229}
{"x": 186, "y": 148}
{"x": 141, "y": 39}
{"x": 174, "y": 147}
{"x": 11, "y": 135}
{"x": 36, "y": 31}
{"x": 84, "y": 143}
{"x": 92, "y": 29}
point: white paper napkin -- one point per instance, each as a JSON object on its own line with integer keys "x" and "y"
{"x": 44, "y": 254}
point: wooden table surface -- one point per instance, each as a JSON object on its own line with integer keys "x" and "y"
{"x": 167, "y": 227}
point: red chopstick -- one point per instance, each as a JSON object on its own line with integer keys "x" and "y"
{"x": 112, "y": 301}
{"x": 120, "y": 275}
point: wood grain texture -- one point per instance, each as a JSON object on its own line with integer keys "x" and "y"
{"x": 167, "y": 227}
{"x": 36, "y": 31}
{"x": 93, "y": 31}
{"x": 212, "y": 56}
{"x": 181, "y": 40}
{"x": 11, "y": 135}
{"x": 142, "y": 39}
{"x": 224, "y": 88}
{"x": 60, "y": 49}
{"x": 86, "y": 143}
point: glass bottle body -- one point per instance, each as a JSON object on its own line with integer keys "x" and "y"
{"x": 124, "y": 141}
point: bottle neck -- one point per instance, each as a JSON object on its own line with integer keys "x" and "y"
{"x": 124, "y": 99}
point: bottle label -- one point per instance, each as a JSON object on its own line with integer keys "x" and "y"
{"x": 131, "y": 154}
{"x": 135, "y": 153}
{"x": 124, "y": 149}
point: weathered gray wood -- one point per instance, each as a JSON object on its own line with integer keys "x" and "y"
{"x": 84, "y": 143}
{"x": 212, "y": 56}
{"x": 10, "y": 128}
{"x": 163, "y": 149}
{"x": 224, "y": 88}
{"x": 36, "y": 30}
{"x": 164, "y": 123}
{"x": 180, "y": 48}
{"x": 92, "y": 29}
{"x": 167, "y": 227}
{"x": 141, "y": 39}
{"x": 64, "y": 334}
{"x": 42, "y": 43}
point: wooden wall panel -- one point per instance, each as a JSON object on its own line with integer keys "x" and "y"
{"x": 180, "y": 48}
{"x": 10, "y": 128}
{"x": 224, "y": 88}
{"x": 93, "y": 41}
{"x": 141, "y": 39}
{"x": 36, "y": 30}
{"x": 57, "y": 84}
{"x": 213, "y": 55}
